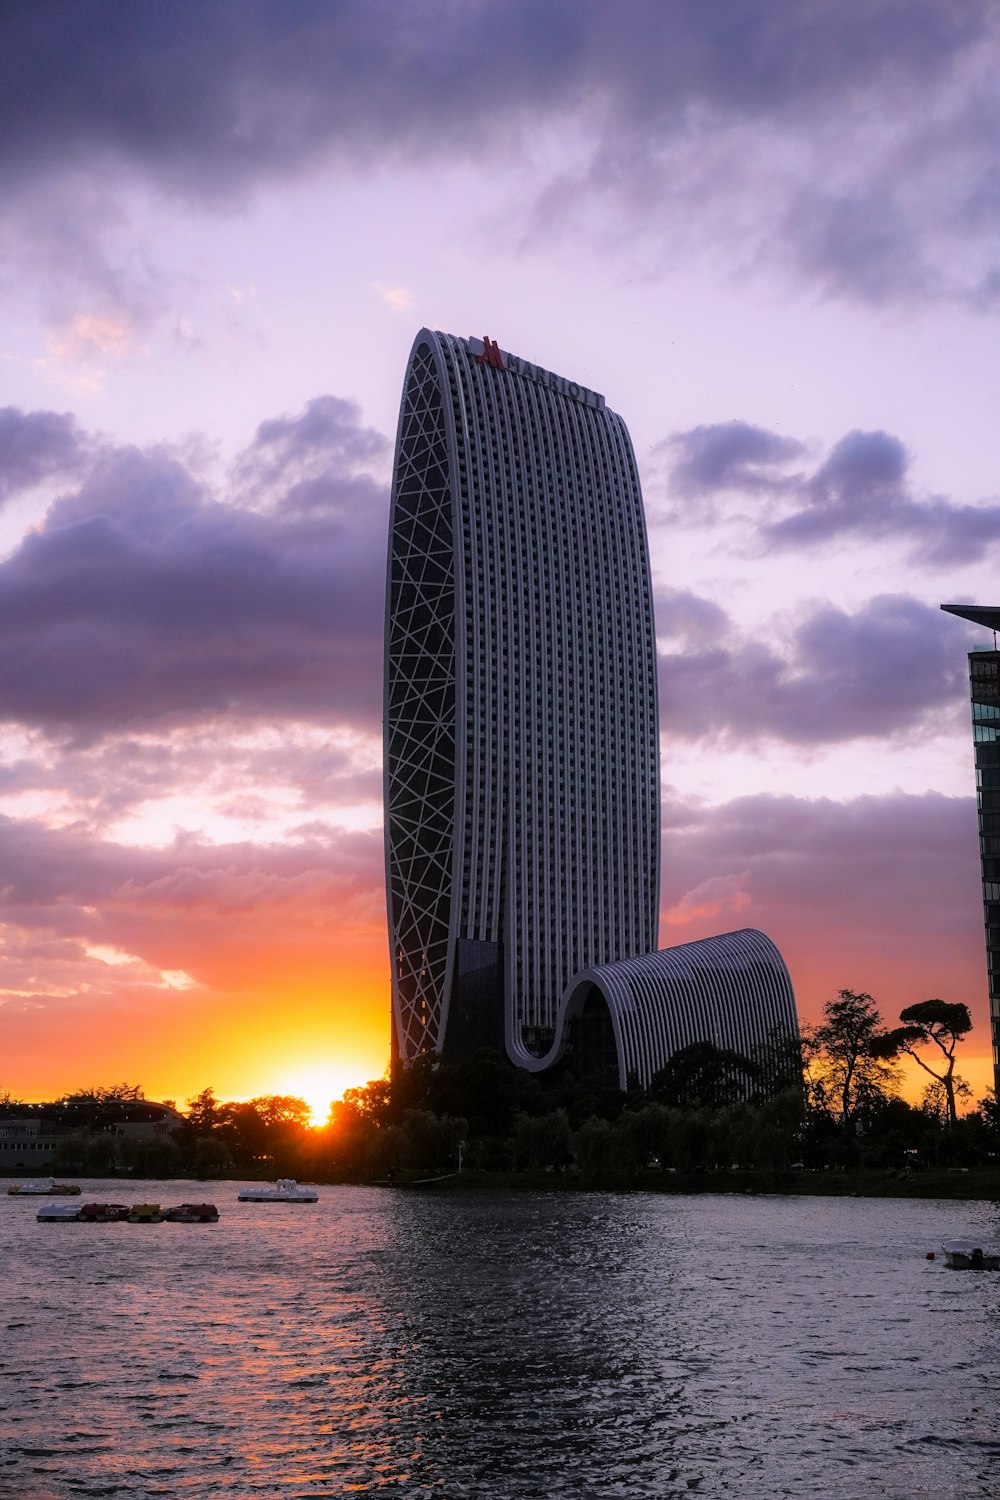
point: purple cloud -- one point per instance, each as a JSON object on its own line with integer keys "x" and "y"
{"x": 887, "y": 667}
{"x": 860, "y": 490}
{"x": 146, "y": 601}
{"x": 322, "y": 460}
{"x": 730, "y": 455}
{"x": 673, "y": 107}
{"x": 683, "y": 615}
{"x": 37, "y": 445}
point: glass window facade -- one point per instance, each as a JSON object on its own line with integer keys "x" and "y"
{"x": 984, "y": 683}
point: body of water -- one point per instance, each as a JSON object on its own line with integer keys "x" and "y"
{"x": 498, "y": 1346}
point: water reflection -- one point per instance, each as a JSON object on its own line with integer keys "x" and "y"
{"x": 498, "y": 1346}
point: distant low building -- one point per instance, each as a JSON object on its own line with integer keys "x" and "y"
{"x": 32, "y": 1135}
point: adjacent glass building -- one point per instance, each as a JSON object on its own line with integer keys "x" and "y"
{"x": 984, "y": 684}
{"x": 522, "y": 827}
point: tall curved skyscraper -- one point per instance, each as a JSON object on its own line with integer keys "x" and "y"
{"x": 522, "y": 825}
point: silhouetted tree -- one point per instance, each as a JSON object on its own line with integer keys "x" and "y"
{"x": 115, "y": 1093}
{"x": 634, "y": 1139}
{"x": 204, "y": 1112}
{"x": 934, "y": 1099}
{"x": 593, "y": 1145}
{"x": 486, "y": 1090}
{"x": 848, "y": 1071}
{"x": 989, "y": 1112}
{"x": 936, "y": 1023}
{"x": 149, "y": 1156}
{"x": 584, "y": 1095}
{"x": 373, "y": 1102}
{"x": 268, "y": 1129}
{"x": 703, "y": 1075}
{"x": 211, "y": 1157}
{"x": 430, "y": 1140}
{"x": 542, "y": 1140}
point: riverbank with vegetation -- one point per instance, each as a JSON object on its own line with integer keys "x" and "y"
{"x": 822, "y": 1117}
{"x": 962, "y": 1185}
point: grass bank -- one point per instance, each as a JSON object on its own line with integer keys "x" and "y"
{"x": 974, "y": 1184}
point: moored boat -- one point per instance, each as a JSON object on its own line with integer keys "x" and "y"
{"x": 285, "y": 1190}
{"x": 46, "y": 1187}
{"x": 58, "y": 1213}
{"x": 145, "y": 1213}
{"x": 966, "y": 1255}
{"x": 192, "y": 1213}
{"x": 103, "y": 1213}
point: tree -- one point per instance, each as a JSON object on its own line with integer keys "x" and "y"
{"x": 210, "y": 1157}
{"x": 780, "y": 1060}
{"x": 935, "y": 1023}
{"x": 282, "y": 1110}
{"x": 934, "y": 1099}
{"x": 203, "y": 1112}
{"x": 989, "y": 1111}
{"x": 113, "y": 1093}
{"x": 593, "y": 1145}
{"x": 270, "y": 1128}
{"x": 372, "y": 1103}
{"x": 703, "y": 1075}
{"x": 850, "y": 1073}
{"x": 542, "y": 1140}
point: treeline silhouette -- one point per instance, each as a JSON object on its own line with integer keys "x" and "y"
{"x": 830, "y": 1102}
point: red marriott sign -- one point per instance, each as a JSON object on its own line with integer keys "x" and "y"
{"x": 488, "y": 352}
{"x": 491, "y": 355}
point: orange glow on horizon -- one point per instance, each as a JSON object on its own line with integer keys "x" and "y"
{"x": 320, "y": 1085}
{"x": 269, "y": 1011}
{"x": 291, "y": 1027}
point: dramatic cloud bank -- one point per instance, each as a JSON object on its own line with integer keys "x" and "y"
{"x": 859, "y": 492}
{"x": 885, "y": 668}
{"x": 682, "y": 119}
{"x": 36, "y": 446}
{"x": 147, "y": 599}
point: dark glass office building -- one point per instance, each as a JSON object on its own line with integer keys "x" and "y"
{"x": 522, "y": 821}
{"x": 984, "y": 685}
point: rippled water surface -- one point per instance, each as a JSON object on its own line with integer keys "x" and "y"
{"x": 499, "y": 1345}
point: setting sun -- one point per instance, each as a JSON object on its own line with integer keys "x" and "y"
{"x": 319, "y": 1086}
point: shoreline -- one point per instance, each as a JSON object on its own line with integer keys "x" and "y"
{"x": 975, "y": 1184}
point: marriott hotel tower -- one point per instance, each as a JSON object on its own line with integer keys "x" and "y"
{"x": 522, "y": 825}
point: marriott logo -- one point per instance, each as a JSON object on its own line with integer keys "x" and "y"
{"x": 486, "y": 351}
{"x": 491, "y": 355}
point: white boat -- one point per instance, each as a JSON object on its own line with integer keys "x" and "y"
{"x": 47, "y": 1187}
{"x": 285, "y": 1190}
{"x": 58, "y": 1213}
{"x": 966, "y": 1255}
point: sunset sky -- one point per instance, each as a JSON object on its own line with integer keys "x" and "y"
{"x": 769, "y": 233}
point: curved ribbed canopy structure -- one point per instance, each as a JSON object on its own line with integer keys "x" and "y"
{"x": 733, "y": 991}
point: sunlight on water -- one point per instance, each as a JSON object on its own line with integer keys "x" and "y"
{"x": 496, "y": 1346}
